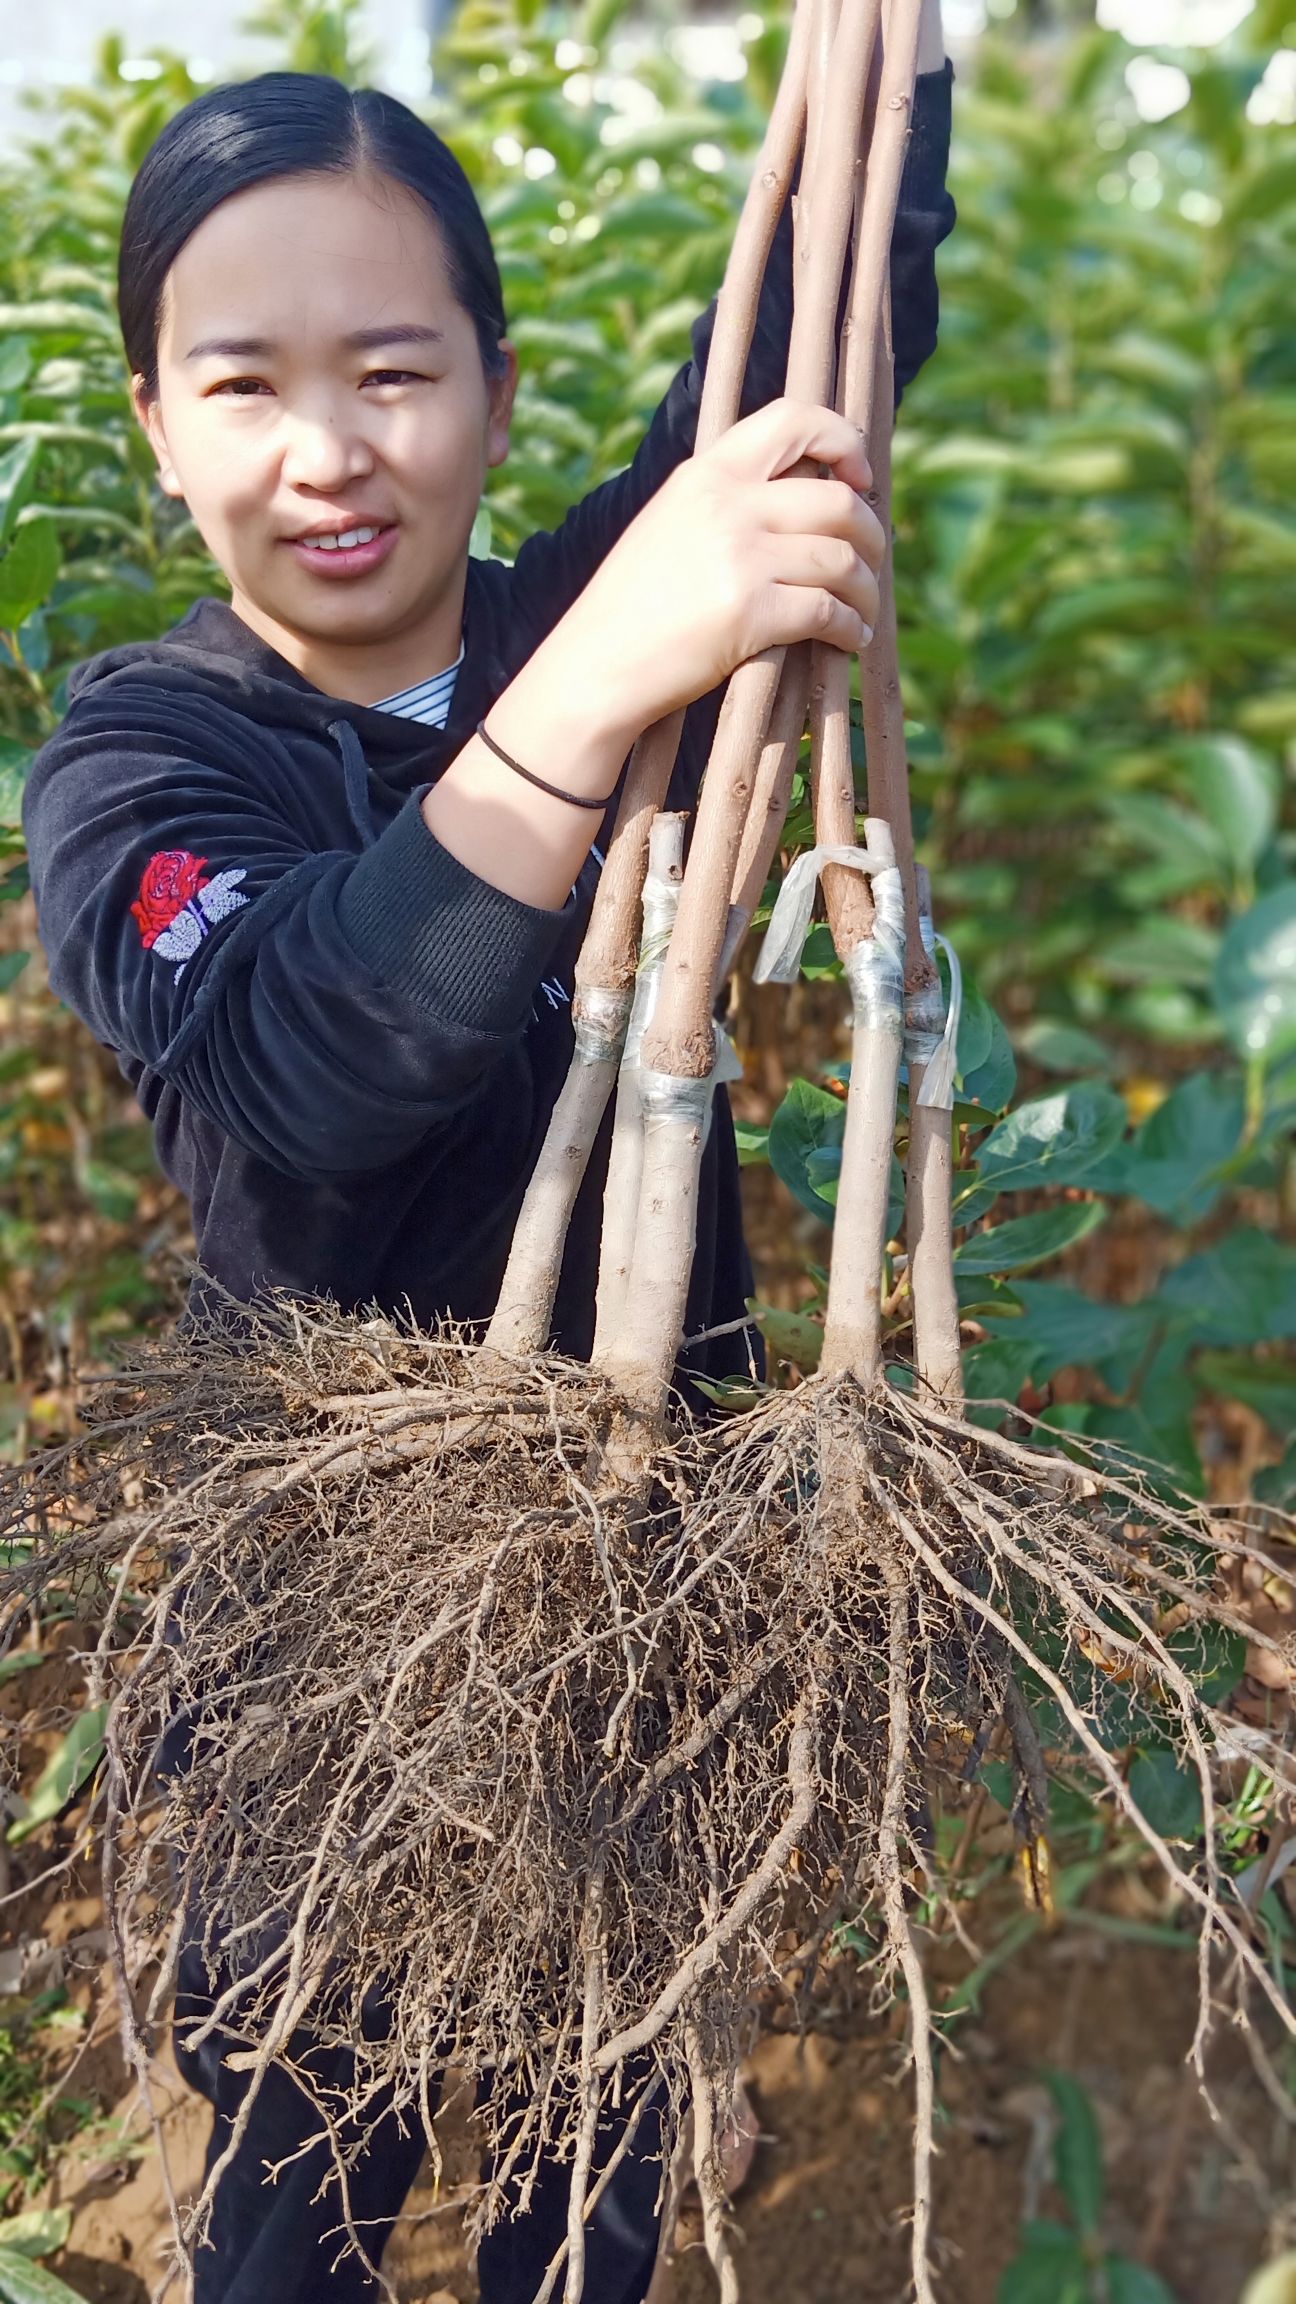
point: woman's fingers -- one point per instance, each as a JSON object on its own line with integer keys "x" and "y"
{"x": 784, "y": 432}
{"x": 823, "y": 507}
{"x": 826, "y": 563}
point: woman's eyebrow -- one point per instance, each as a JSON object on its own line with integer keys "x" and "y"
{"x": 360, "y": 340}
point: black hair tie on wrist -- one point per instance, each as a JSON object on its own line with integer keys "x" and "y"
{"x": 555, "y": 791}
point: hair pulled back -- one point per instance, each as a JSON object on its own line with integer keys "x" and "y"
{"x": 288, "y": 124}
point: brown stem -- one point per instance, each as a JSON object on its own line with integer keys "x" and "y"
{"x": 769, "y": 802}
{"x": 881, "y": 698}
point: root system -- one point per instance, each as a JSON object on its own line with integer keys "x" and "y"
{"x": 484, "y": 1771}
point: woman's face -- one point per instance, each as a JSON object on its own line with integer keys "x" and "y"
{"x": 316, "y": 373}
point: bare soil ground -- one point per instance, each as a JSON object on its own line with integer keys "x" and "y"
{"x": 821, "y": 2218}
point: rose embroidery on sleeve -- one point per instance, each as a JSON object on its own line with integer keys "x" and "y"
{"x": 177, "y": 905}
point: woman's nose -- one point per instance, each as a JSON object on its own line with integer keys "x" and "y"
{"x": 324, "y": 447}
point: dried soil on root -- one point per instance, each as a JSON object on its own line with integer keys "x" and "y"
{"x": 489, "y": 1769}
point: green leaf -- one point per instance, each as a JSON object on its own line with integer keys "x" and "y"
{"x": 1060, "y": 1047}
{"x": 1131, "y": 2283}
{"x": 23, "y": 2282}
{"x": 1236, "y": 789}
{"x": 987, "y": 1067}
{"x": 789, "y": 1335}
{"x": 28, "y": 572}
{"x": 1213, "y": 1656}
{"x": 38, "y": 2232}
{"x": 12, "y": 965}
{"x": 15, "y": 760}
{"x": 808, "y": 1120}
{"x": 1077, "y": 2153}
{"x": 1068, "y": 1330}
{"x": 71, "y": 1765}
{"x": 1241, "y": 1291}
{"x": 1255, "y": 977}
{"x": 1054, "y": 1139}
{"x": 1028, "y": 1240}
{"x": 54, "y": 318}
{"x": 752, "y": 1142}
{"x": 19, "y": 1660}
{"x": 1051, "y": 2268}
{"x": 1268, "y": 1386}
{"x": 997, "y": 1370}
{"x": 1175, "y": 1160}
{"x": 1169, "y": 1796}
{"x": 17, "y": 480}
{"x": 1165, "y": 946}
{"x": 15, "y": 363}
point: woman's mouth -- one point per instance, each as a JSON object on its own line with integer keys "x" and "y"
{"x": 353, "y": 553}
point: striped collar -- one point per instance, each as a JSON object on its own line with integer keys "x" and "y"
{"x": 428, "y": 700}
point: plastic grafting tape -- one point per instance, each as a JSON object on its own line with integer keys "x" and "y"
{"x": 925, "y": 1008}
{"x": 938, "y": 1081}
{"x": 599, "y": 1024}
{"x": 660, "y": 905}
{"x": 789, "y": 924}
{"x": 667, "y": 1097}
{"x": 875, "y": 969}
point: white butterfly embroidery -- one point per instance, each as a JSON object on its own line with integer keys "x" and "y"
{"x": 214, "y": 902}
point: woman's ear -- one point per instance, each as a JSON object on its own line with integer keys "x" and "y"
{"x": 503, "y": 391}
{"x": 149, "y": 416}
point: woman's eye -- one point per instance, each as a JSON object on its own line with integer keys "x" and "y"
{"x": 393, "y": 376}
{"x": 233, "y": 383}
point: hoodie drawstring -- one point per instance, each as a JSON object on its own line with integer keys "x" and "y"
{"x": 356, "y": 774}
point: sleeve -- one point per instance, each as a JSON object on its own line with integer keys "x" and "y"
{"x": 326, "y": 1009}
{"x": 553, "y": 567}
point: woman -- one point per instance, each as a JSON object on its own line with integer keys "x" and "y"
{"x": 316, "y": 863}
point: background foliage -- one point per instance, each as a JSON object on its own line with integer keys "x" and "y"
{"x": 1096, "y": 555}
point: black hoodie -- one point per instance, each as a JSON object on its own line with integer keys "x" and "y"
{"x": 348, "y": 1044}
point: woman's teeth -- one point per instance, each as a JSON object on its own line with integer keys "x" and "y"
{"x": 341, "y": 543}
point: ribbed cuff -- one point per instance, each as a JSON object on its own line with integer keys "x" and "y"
{"x": 430, "y": 928}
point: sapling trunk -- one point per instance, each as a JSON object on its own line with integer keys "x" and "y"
{"x": 606, "y": 967}
{"x": 625, "y": 1160}
{"x": 868, "y": 927}
{"x": 929, "y": 1168}
{"x": 680, "y": 1046}
{"x": 875, "y": 973}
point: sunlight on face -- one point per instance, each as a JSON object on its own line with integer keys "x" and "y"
{"x": 295, "y": 425}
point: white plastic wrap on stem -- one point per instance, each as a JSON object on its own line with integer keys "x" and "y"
{"x": 929, "y": 1186}
{"x": 675, "y": 1113}
{"x": 789, "y": 922}
{"x": 520, "y": 1323}
{"x": 625, "y": 1160}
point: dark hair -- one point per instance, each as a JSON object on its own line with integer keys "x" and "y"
{"x": 292, "y": 124}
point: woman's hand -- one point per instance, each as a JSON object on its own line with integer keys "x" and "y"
{"x": 734, "y": 554}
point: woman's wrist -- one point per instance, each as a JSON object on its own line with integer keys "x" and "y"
{"x": 557, "y": 719}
